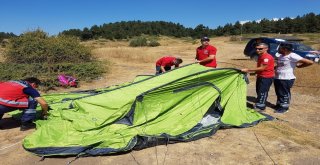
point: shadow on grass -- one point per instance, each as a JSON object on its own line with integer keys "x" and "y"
{"x": 9, "y": 123}
{"x": 251, "y": 100}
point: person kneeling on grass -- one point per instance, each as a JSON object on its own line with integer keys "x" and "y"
{"x": 284, "y": 77}
{"x": 164, "y": 64}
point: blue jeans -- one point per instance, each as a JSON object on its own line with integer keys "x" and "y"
{"x": 28, "y": 114}
{"x": 262, "y": 89}
{"x": 159, "y": 71}
{"x": 283, "y": 93}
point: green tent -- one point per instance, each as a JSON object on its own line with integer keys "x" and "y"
{"x": 184, "y": 104}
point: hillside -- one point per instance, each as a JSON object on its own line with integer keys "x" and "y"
{"x": 292, "y": 139}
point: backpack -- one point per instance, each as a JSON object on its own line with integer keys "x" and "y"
{"x": 66, "y": 80}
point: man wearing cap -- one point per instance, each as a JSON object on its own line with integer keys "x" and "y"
{"x": 206, "y": 53}
{"x": 24, "y": 96}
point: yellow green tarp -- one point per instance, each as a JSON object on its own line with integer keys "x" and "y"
{"x": 184, "y": 104}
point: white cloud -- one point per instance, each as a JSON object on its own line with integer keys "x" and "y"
{"x": 259, "y": 20}
{"x": 243, "y": 22}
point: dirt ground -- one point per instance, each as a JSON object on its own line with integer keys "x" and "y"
{"x": 291, "y": 139}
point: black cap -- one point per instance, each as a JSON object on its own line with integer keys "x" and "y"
{"x": 205, "y": 39}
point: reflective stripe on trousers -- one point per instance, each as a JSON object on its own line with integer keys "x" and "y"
{"x": 29, "y": 114}
{"x": 262, "y": 89}
{"x": 282, "y": 88}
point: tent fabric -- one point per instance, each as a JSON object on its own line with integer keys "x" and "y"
{"x": 184, "y": 104}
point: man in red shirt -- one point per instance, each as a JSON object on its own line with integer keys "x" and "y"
{"x": 24, "y": 96}
{"x": 206, "y": 53}
{"x": 265, "y": 75}
{"x": 164, "y": 64}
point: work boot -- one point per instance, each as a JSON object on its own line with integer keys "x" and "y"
{"x": 27, "y": 125}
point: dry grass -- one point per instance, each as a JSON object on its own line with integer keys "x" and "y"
{"x": 1, "y": 55}
{"x": 125, "y": 54}
{"x": 283, "y": 130}
{"x": 120, "y": 51}
{"x": 104, "y": 43}
{"x": 308, "y": 80}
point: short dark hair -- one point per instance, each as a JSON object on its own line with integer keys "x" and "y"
{"x": 33, "y": 80}
{"x": 179, "y": 60}
{"x": 286, "y": 46}
{"x": 205, "y": 38}
{"x": 262, "y": 44}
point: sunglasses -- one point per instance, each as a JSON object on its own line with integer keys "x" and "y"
{"x": 259, "y": 48}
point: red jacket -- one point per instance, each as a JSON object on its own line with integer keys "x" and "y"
{"x": 11, "y": 94}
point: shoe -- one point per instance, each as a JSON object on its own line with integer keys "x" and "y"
{"x": 276, "y": 107}
{"x": 27, "y": 125}
{"x": 281, "y": 111}
{"x": 258, "y": 109}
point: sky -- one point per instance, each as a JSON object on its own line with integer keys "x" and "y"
{"x": 54, "y": 16}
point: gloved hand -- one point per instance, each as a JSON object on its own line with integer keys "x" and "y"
{"x": 44, "y": 116}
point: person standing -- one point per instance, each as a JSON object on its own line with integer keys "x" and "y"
{"x": 265, "y": 75}
{"x": 164, "y": 64}
{"x": 22, "y": 95}
{"x": 206, "y": 53}
{"x": 284, "y": 78}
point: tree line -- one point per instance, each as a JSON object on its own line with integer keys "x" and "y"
{"x": 4, "y": 35}
{"x": 308, "y": 23}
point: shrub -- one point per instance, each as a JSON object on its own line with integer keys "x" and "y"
{"x": 138, "y": 42}
{"x": 154, "y": 43}
{"x": 36, "y": 54}
{"x": 143, "y": 41}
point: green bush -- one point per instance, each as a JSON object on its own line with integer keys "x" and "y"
{"x": 138, "y": 42}
{"x": 36, "y": 54}
{"x": 154, "y": 43}
{"x": 143, "y": 41}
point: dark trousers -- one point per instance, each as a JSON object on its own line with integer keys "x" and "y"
{"x": 283, "y": 93}
{"x": 262, "y": 89}
{"x": 28, "y": 114}
{"x": 159, "y": 71}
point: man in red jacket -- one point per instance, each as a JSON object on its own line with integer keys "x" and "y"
{"x": 164, "y": 64}
{"x": 22, "y": 95}
{"x": 206, "y": 53}
{"x": 265, "y": 75}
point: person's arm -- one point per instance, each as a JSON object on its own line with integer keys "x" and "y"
{"x": 162, "y": 69}
{"x": 304, "y": 63}
{"x": 210, "y": 58}
{"x": 36, "y": 95}
{"x": 258, "y": 69}
{"x": 44, "y": 106}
